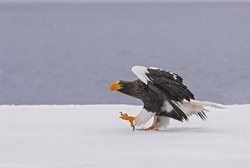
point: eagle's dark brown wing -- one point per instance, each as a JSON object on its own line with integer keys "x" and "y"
{"x": 164, "y": 86}
{"x": 169, "y": 84}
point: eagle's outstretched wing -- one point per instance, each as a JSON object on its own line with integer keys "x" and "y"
{"x": 166, "y": 84}
{"x": 170, "y": 84}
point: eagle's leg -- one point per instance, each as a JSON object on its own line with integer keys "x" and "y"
{"x": 159, "y": 122}
{"x": 131, "y": 119}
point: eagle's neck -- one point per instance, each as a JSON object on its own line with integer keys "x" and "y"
{"x": 132, "y": 88}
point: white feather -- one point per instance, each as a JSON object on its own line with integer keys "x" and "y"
{"x": 143, "y": 117}
{"x": 154, "y": 68}
{"x": 195, "y": 106}
{"x": 207, "y": 103}
{"x": 141, "y": 72}
{"x": 161, "y": 122}
{"x": 166, "y": 106}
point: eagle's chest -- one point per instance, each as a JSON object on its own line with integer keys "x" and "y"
{"x": 152, "y": 101}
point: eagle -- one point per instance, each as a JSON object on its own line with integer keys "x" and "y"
{"x": 164, "y": 96}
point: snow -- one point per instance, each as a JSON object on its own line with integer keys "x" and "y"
{"x": 92, "y": 136}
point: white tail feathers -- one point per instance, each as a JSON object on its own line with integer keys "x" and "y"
{"x": 207, "y": 103}
{"x": 195, "y": 106}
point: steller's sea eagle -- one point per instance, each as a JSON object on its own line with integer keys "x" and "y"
{"x": 164, "y": 96}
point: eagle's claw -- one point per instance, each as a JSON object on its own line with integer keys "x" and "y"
{"x": 125, "y": 116}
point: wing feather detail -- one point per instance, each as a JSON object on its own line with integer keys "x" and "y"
{"x": 170, "y": 84}
{"x": 167, "y": 85}
{"x": 176, "y": 113}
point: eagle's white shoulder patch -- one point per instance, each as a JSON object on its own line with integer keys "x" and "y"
{"x": 141, "y": 72}
{"x": 155, "y": 68}
{"x": 143, "y": 117}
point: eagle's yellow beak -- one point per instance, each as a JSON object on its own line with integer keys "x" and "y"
{"x": 115, "y": 86}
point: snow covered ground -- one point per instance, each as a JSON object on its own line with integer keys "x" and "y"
{"x": 93, "y": 136}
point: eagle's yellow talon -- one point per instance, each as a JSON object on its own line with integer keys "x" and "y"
{"x": 150, "y": 128}
{"x": 131, "y": 119}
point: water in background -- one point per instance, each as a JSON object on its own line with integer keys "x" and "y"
{"x": 70, "y": 53}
